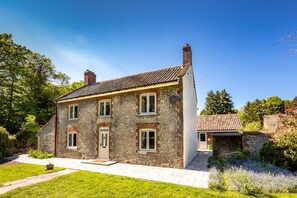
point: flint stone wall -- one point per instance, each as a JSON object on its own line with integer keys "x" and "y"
{"x": 253, "y": 141}
{"x": 124, "y": 125}
{"x": 46, "y": 136}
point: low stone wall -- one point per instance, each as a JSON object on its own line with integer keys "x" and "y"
{"x": 46, "y": 136}
{"x": 253, "y": 141}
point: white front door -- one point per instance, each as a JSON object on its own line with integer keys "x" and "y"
{"x": 202, "y": 141}
{"x": 103, "y": 143}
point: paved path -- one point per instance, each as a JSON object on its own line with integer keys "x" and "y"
{"x": 8, "y": 186}
{"x": 200, "y": 161}
{"x": 178, "y": 176}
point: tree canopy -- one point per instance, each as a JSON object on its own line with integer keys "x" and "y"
{"x": 219, "y": 102}
{"x": 29, "y": 83}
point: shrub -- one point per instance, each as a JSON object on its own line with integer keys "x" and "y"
{"x": 39, "y": 154}
{"x": 272, "y": 153}
{"x": 252, "y": 183}
{"x": 215, "y": 180}
{"x": 216, "y": 162}
{"x": 27, "y": 137}
{"x": 6, "y": 143}
{"x": 252, "y": 126}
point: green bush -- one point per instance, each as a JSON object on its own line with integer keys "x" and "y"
{"x": 27, "y": 137}
{"x": 6, "y": 143}
{"x": 39, "y": 154}
{"x": 252, "y": 126}
{"x": 241, "y": 154}
{"x": 216, "y": 162}
{"x": 273, "y": 154}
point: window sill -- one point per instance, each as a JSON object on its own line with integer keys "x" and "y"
{"x": 148, "y": 114}
{"x": 104, "y": 116}
{"x": 147, "y": 151}
{"x": 72, "y": 148}
{"x": 72, "y": 119}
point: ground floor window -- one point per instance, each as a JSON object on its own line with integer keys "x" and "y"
{"x": 72, "y": 140}
{"x": 147, "y": 140}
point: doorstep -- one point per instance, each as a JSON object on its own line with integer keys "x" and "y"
{"x": 100, "y": 162}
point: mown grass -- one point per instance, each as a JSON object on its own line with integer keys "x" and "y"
{"x": 20, "y": 171}
{"x": 89, "y": 184}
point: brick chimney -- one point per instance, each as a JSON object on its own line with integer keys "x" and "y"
{"x": 90, "y": 77}
{"x": 187, "y": 55}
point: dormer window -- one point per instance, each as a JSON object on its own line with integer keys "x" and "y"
{"x": 73, "y": 112}
{"x": 104, "y": 108}
{"x": 148, "y": 103}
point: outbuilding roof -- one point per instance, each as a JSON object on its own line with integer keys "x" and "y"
{"x": 128, "y": 82}
{"x": 219, "y": 123}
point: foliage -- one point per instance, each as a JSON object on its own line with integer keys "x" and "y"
{"x": 28, "y": 85}
{"x": 218, "y": 103}
{"x": 253, "y": 183}
{"x": 39, "y": 154}
{"x": 6, "y": 143}
{"x": 253, "y": 112}
{"x": 285, "y": 137}
{"x": 20, "y": 171}
{"x": 273, "y": 154}
{"x": 27, "y": 137}
{"x": 274, "y": 105}
{"x": 90, "y": 184}
{"x": 243, "y": 174}
{"x": 252, "y": 126}
{"x": 288, "y": 103}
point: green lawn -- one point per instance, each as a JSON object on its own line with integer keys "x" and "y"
{"x": 89, "y": 184}
{"x": 20, "y": 171}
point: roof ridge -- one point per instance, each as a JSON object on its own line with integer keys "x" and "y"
{"x": 136, "y": 74}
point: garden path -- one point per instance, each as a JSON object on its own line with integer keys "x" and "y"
{"x": 8, "y": 186}
{"x": 177, "y": 176}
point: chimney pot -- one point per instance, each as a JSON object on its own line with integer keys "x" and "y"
{"x": 187, "y": 55}
{"x": 89, "y": 78}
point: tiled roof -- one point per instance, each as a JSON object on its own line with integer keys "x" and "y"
{"x": 138, "y": 80}
{"x": 223, "y": 122}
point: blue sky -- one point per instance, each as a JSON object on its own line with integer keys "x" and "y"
{"x": 237, "y": 44}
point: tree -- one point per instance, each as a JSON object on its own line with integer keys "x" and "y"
{"x": 28, "y": 84}
{"x": 288, "y": 103}
{"x": 253, "y": 112}
{"x": 286, "y": 136}
{"x": 218, "y": 103}
{"x": 274, "y": 105}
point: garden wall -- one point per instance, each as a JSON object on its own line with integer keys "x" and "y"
{"x": 46, "y": 136}
{"x": 253, "y": 141}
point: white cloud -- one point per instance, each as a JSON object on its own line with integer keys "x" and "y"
{"x": 74, "y": 62}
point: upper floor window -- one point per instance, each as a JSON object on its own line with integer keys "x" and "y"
{"x": 104, "y": 108}
{"x": 147, "y": 140}
{"x": 148, "y": 103}
{"x": 73, "y": 112}
{"x": 71, "y": 140}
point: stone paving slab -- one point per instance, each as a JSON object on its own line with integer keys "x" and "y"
{"x": 186, "y": 177}
{"x": 8, "y": 186}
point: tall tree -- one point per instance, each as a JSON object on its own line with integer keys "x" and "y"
{"x": 24, "y": 80}
{"x": 253, "y": 112}
{"x": 13, "y": 58}
{"x": 274, "y": 105}
{"x": 219, "y": 102}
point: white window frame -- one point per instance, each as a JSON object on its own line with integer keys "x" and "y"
{"x": 147, "y": 95}
{"x": 71, "y": 146}
{"x": 104, "y": 101}
{"x": 147, "y": 143}
{"x": 69, "y": 113}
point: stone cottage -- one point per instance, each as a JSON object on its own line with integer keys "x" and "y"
{"x": 147, "y": 118}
